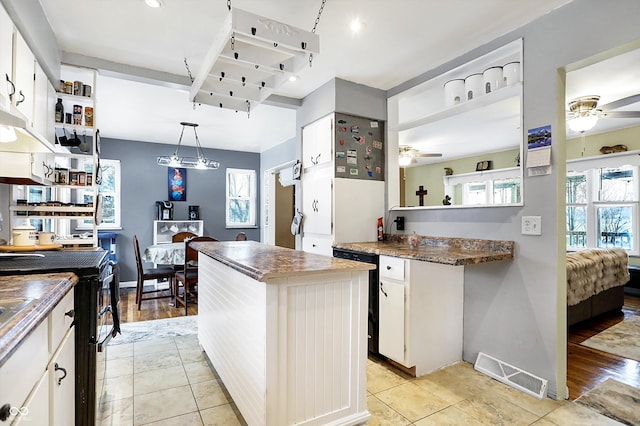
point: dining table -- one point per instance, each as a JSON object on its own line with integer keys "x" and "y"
{"x": 165, "y": 254}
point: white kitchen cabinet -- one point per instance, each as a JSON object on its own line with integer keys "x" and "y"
{"x": 336, "y": 209}
{"x": 23, "y": 76}
{"x": 317, "y": 203}
{"x": 6, "y": 56}
{"x": 36, "y": 394}
{"x": 24, "y": 370}
{"x": 421, "y": 313}
{"x": 43, "y": 109}
{"x": 317, "y": 142}
{"x": 391, "y": 338}
{"x": 61, "y": 384}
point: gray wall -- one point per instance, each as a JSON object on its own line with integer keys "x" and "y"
{"x": 144, "y": 183}
{"x": 516, "y": 310}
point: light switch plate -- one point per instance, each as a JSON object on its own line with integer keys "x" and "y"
{"x": 531, "y": 225}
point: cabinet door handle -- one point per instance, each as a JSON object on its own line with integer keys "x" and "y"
{"x": 318, "y": 158}
{"x": 70, "y": 313}
{"x": 382, "y": 290}
{"x": 56, "y": 367}
{"x": 312, "y": 161}
{"x": 22, "y": 98}
{"x": 13, "y": 87}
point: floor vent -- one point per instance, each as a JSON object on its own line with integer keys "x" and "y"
{"x": 512, "y": 376}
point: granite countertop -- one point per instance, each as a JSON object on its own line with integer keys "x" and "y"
{"x": 448, "y": 251}
{"x": 46, "y": 290}
{"x": 263, "y": 262}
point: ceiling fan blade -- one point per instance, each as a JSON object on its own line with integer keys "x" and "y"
{"x": 429, "y": 155}
{"x": 621, "y": 114}
{"x": 620, "y": 103}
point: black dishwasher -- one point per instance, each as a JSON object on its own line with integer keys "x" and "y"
{"x": 373, "y": 291}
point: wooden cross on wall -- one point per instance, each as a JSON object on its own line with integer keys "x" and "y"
{"x": 421, "y": 192}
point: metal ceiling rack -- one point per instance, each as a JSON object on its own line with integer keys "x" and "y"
{"x": 250, "y": 57}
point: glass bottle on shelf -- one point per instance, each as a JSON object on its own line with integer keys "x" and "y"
{"x": 59, "y": 111}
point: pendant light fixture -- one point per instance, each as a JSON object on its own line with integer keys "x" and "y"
{"x": 199, "y": 162}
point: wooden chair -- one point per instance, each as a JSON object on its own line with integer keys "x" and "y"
{"x": 188, "y": 276}
{"x": 151, "y": 274}
{"x": 181, "y": 236}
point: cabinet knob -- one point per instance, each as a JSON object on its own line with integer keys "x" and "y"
{"x": 70, "y": 313}
{"x": 5, "y": 412}
{"x": 388, "y": 268}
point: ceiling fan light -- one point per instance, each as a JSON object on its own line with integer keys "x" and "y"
{"x": 583, "y": 123}
{"x": 404, "y": 160}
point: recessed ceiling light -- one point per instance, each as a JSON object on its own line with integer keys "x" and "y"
{"x": 356, "y": 26}
{"x": 293, "y": 78}
{"x": 154, "y": 3}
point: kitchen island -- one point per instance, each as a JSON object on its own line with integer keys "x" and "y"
{"x": 286, "y": 331}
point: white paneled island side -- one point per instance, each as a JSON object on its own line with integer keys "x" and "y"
{"x": 286, "y": 331}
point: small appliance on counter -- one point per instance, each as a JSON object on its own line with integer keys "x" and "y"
{"x": 194, "y": 212}
{"x": 164, "y": 210}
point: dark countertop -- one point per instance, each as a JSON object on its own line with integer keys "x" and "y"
{"x": 448, "y": 251}
{"x": 46, "y": 290}
{"x": 263, "y": 262}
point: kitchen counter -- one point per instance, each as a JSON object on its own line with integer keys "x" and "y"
{"x": 264, "y": 262}
{"x": 46, "y": 290}
{"x": 447, "y": 251}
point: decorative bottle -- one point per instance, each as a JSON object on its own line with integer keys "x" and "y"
{"x": 59, "y": 111}
{"x": 380, "y": 230}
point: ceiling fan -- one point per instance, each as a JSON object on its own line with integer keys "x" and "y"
{"x": 584, "y": 111}
{"x": 408, "y": 155}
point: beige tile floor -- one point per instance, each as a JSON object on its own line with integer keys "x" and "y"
{"x": 169, "y": 382}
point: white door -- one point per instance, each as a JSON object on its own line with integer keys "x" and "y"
{"x": 6, "y": 56}
{"x": 316, "y": 204}
{"x": 391, "y": 337}
{"x": 317, "y": 141}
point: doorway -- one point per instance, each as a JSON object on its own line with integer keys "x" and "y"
{"x": 279, "y": 206}
{"x": 283, "y": 214}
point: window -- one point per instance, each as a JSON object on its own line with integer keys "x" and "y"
{"x": 108, "y": 181}
{"x": 241, "y": 198}
{"x": 602, "y": 208}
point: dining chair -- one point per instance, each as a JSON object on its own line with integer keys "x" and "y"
{"x": 188, "y": 276}
{"x": 181, "y": 236}
{"x": 145, "y": 274}
{"x": 241, "y": 236}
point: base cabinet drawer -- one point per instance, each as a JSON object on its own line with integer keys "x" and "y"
{"x": 315, "y": 245}
{"x": 392, "y": 267}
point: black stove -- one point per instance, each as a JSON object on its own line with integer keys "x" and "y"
{"x": 96, "y": 308}
{"x": 81, "y": 262}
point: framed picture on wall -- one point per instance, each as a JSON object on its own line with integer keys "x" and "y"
{"x": 177, "y": 183}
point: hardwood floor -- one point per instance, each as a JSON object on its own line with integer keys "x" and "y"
{"x": 588, "y": 367}
{"x": 585, "y": 367}
{"x": 150, "y": 309}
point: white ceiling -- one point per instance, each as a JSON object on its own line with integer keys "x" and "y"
{"x": 400, "y": 40}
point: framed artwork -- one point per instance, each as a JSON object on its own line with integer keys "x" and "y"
{"x": 177, "y": 183}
